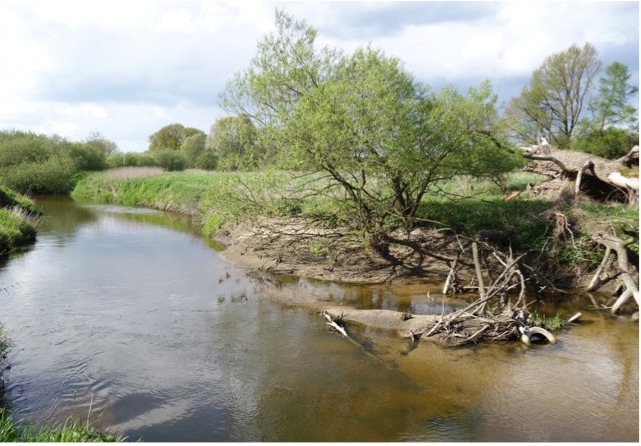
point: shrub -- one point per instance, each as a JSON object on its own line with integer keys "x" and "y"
{"x": 39, "y": 164}
{"x": 170, "y": 160}
{"x": 611, "y": 143}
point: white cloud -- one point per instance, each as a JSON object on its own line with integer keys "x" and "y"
{"x": 128, "y": 68}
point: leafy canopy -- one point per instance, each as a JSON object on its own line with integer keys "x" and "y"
{"x": 380, "y": 137}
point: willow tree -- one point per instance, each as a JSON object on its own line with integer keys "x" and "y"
{"x": 377, "y": 134}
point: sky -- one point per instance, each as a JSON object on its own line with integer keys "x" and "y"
{"x": 127, "y": 68}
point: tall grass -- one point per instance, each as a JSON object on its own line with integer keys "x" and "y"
{"x": 18, "y": 216}
{"x": 215, "y": 198}
{"x": 71, "y": 431}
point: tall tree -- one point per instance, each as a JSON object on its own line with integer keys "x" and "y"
{"x": 553, "y": 103}
{"x": 612, "y": 106}
{"x": 192, "y": 148}
{"x": 286, "y": 67}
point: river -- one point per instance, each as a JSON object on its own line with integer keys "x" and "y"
{"x": 129, "y": 317}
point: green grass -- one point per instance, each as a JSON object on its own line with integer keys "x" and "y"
{"x": 71, "y": 431}
{"x": 17, "y": 220}
{"x": 519, "y": 217}
{"x": 553, "y": 324}
{"x": 464, "y": 205}
{"x": 215, "y": 198}
{"x": 10, "y": 199}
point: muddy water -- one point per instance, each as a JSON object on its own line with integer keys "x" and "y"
{"x": 130, "y": 317}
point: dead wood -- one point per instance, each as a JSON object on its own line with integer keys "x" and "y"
{"x": 594, "y": 177}
{"x": 499, "y": 314}
{"x": 622, "y": 269}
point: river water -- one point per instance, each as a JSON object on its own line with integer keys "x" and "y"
{"x": 128, "y": 317}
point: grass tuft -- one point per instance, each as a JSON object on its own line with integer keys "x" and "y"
{"x": 71, "y": 431}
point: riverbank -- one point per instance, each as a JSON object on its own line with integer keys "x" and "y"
{"x": 264, "y": 225}
{"x": 18, "y": 216}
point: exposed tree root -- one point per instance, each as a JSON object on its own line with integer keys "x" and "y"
{"x": 622, "y": 270}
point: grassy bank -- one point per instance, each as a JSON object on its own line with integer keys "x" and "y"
{"x": 463, "y": 206}
{"x": 218, "y": 198}
{"x": 17, "y": 220}
{"x": 212, "y": 198}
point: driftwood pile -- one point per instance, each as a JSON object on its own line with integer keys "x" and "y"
{"x": 499, "y": 314}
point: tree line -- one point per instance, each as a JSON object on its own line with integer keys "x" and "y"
{"x": 565, "y": 102}
{"x": 352, "y": 116}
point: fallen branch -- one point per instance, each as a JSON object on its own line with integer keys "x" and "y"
{"x": 332, "y": 323}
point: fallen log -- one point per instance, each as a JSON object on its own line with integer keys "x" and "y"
{"x": 593, "y": 176}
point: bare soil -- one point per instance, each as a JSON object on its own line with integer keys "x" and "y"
{"x": 338, "y": 254}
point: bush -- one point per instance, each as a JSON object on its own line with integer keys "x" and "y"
{"x": 170, "y": 160}
{"x": 84, "y": 156}
{"x": 130, "y": 159}
{"x": 611, "y": 143}
{"x": 206, "y": 160}
{"x": 54, "y": 176}
{"x": 40, "y": 164}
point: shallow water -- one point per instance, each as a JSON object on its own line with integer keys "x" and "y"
{"x": 129, "y": 316}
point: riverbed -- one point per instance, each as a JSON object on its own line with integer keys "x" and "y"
{"x": 132, "y": 319}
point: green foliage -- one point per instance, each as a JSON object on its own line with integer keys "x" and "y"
{"x": 318, "y": 249}
{"x": 611, "y": 106}
{"x": 17, "y": 221}
{"x": 170, "y": 137}
{"x": 471, "y": 215}
{"x": 98, "y": 142}
{"x": 170, "y": 160}
{"x": 192, "y": 148}
{"x": 232, "y": 141}
{"x": 610, "y": 143}
{"x": 207, "y": 160}
{"x": 39, "y": 164}
{"x": 623, "y": 219}
{"x": 53, "y": 176}
{"x": 71, "y": 431}
{"x": 521, "y": 180}
{"x": 553, "y": 324}
{"x": 378, "y": 135}
{"x": 11, "y": 199}
{"x": 553, "y": 102}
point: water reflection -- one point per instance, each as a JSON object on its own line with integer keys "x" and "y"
{"x": 132, "y": 315}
